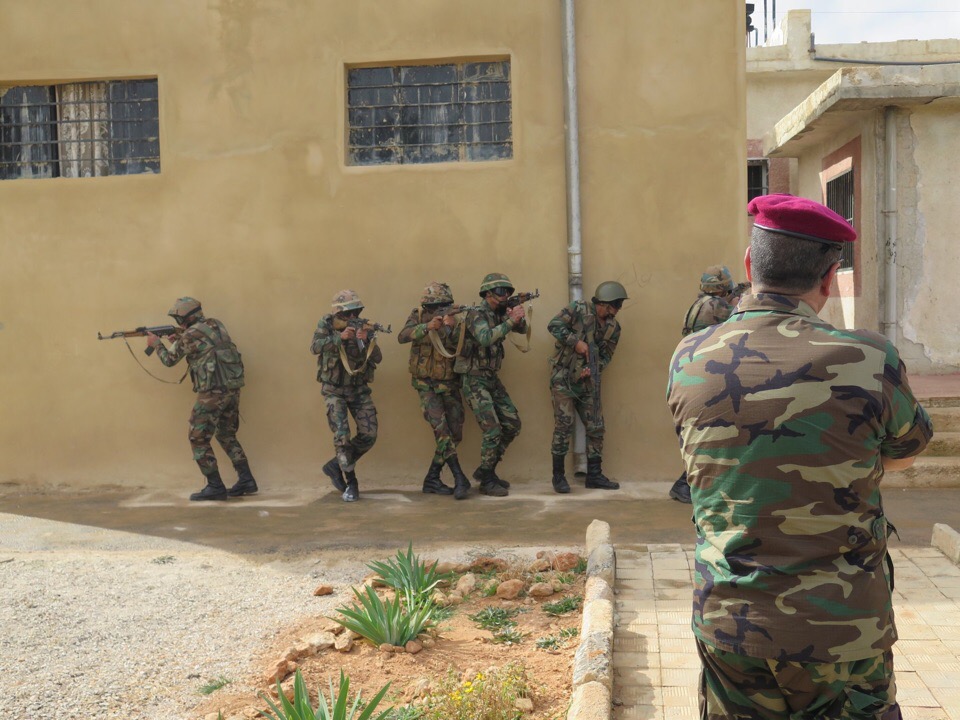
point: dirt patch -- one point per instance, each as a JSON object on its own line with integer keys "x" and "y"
{"x": 457, "y": 643}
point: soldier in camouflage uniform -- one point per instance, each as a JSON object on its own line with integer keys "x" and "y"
{"x": 582, "y": 331}
{"x": 486, "y": 327}
{"x": 432, "y": 333}
{"x": 217, "y": 374}
{"x": 346, "y": 359}
{"x": 713, "y": 305}
{"x": 787, "y": 426}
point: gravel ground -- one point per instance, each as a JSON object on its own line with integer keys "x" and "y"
{"x": 103, "y": 624}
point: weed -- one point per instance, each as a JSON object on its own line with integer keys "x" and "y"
{"x": 442, "y": 614}
{"x": 405, "y": 712}
{"x": 508, "y": 636}
{"x": 332, "y": 708}
{"x": 163, "y": 560}
{"x": 550, "y": 642}
{"x": 581, "y": 567}
{"x": 385, "y": 622}
{"x": 495, "y": 618}
{"x": 570, "y": 632}
{"x": 408, "y": 575}
{"x": 490, "y": 589}
{"x": 213, "y": 685}
{"x": 489, "y": 695}
{"x": 568, "y": 604}
{"x": 566, "y": 578}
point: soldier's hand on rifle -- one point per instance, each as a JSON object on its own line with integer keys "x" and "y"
{"x": 348, "y": 333}
{"x": 362, "y": 334}
{"x": 152, "y": 340}
{"x": 581, "y": 348}
{"x": 516, "y": 313}
{"x": 450, "y": 320}
{"x": 435, "y": 323}
{"x": 585, "y": 373}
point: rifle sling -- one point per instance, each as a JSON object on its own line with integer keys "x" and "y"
{"x": 345, "y": 361}
{"x": 529, "y": 318}
{"x": 143, "y": 367}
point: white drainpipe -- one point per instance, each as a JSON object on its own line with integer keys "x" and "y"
{"x": 572, "y": 146}
{"x": 890, "y": 224}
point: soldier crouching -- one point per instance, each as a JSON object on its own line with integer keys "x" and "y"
{"x": 431, "y": 331}
{"x": 346, "y": 359}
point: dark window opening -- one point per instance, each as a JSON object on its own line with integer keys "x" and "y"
{"x": 840, "y": 200}
{"x": 88, "y": 129}
{"x": 429, "y": 113}
{"x": 757, "y": 183}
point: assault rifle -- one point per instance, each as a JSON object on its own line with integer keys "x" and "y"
{"x": 522, "y": 297}
{"x": 442, "y": 311}
{"x": 372, "y": 329}
{"x": 593, "y": 362}
{"x": 161, "y": 330}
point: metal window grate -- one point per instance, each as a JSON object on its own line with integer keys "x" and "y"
{"x": 85, "y": 129}
{"x": 756, "y": 179}
{"x": 840, "y": 200}
{"x": 429, "y": 113}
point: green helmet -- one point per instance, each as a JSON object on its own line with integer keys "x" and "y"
{"x": 184, "y": 308}
{"x": 436, "y": 293}
{"x": 609, "y": 291}
{"x": 495, "y": 280}
{"x": 346, "y": 300}
{"x": 716, "y": 280}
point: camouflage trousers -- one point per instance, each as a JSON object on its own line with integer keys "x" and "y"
{"x": 496, "y": 415}
{"x": 341, "y": 403}
{"x": 737, "y": 686}
{"x": 215, "y": 413}
{"x": 567, "y": 401}
{"x": 444, "y": 412}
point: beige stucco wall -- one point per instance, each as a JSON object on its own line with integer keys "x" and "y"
{"x": 256, "y": 214}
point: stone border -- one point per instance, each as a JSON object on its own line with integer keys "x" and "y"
{"x": 593, "y": 661}
{"x": 946, "y": 540}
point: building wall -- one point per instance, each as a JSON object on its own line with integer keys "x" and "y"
{"x": 256, "y": 214}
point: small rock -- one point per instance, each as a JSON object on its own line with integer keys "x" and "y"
{"x": 486, "y": 564}
{"x": 318, "y": 642}
{"x": 289, "y": 654}
{"x": 399, "y": 649}
{"x": 428, "y": 642}
{"x": 413, "y": 647}
{"x": 386, "y": 648}
{"x": 442, "y": 568}
{"x": 287, "y": 687}
{"x": 466, "y": 584}
{"x": 323, "y": 590}
{"x": 440, "y": 599}
{"x": 541, "y": 565}
{"x": 344, "y": 642}
{"x": 330, "y": 625}
{"x": 529, "y": 601}
{"x": 374, "y": 580}
{"x": 279, "y": 670}
{"x": 509, "y": 589}
{"x": 541, "y": 589}
{"x": 523, "y": 704}
{"x": 566, "y": 561}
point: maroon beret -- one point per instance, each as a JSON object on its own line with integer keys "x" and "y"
{"x": 799, "y": 217}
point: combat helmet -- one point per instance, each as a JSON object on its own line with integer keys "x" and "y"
{"x": 716, "y": 280}
{"x": 346, "y": 300}
{"x": 184, "y": 308}
{"x": 610, "y": 291}
{"x": 495, "y": 280}
{"x": 436, "y": 293}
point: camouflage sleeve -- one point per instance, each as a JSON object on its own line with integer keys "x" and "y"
{"x": 607, "y": 348}
{"x": 180, "y": 348}
{"x": 907, "y": 424}
{"x": 413, "y": 329}
{"x": 324, "y": 337}
{"x": 376, "y": 356}
{"x": 561, "y": 326}
{"x": 518, "y": 327}
{"x": 478, "y": 326}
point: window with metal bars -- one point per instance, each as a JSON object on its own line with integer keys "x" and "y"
{"x": 840, "y": 200}
{"x": 452, "y": 112}
{"x": 87, "y": 129}
{"x": 756, "y": 179}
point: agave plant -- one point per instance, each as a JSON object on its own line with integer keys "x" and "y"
{"x": 334, "y": 708}
{"x": 385, "y": 622}
{"x": 408, "y": 575}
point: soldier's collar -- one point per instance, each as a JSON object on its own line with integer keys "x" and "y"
{"x": 772, "y": 302}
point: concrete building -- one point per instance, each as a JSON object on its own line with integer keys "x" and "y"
{"x": 255, "y": 155}
{"x": 870, "y": 129}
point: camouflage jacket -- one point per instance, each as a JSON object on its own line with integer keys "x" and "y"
{"x": 429, "y": 369}
{"x": 214, "y": 361}
{"x": 326, "y": 346}
{"x": 706, "y": 310}
{"x": 576, "y": 322}
{"x": 783, "y": 421}
{"x": 483, "y": 345}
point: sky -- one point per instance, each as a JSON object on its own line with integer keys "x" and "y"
{"x": 849, "y": 21}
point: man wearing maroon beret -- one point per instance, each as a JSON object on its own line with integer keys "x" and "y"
{"x": 787, "y": 426}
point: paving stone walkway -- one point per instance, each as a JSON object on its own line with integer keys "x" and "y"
{"x": 656, "y": 668}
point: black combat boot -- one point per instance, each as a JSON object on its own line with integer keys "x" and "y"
{"x": 477, "y": 475}
{"x": 681, "y": 489}
{"x": 596, "y": 478}
{"x": 332, "y": 471}
{"x": 213, "y": 490}
{"x": 432, "y": 482}
{"x": 461, "y": 486}
{"x": 352, "y": 491}
{"x": 560, "y": 484}
{"x": 488, "y": 483}
{"x": 245, "y": 484}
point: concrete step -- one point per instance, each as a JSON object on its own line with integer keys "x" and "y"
{"x": 943, "y": 444}
{"x": 945, "y": 419}
{"x": 936, "y": 472}
{"x": 939, "y": 401}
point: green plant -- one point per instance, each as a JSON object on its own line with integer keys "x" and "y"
{"x": 408, "y": 575}
{"x": 570, "y": 632}
{"x": 568, "y": 604}
{"x": 489, "y": 695}
{"x": 550, "y": 642}
{"x": 581, "y": 567}
{"x": 405, "y": 712}
{"x": 494, "y": 618}
{"x": 163, "y": 560}
{"x": 442, "y": 614}
{"x": 566, "y": 578}
{"x": 213, "y": 685}
{"x": 490, "y": 589}
{"x": 333, "y": 709}
{"x": 385, "y": 622}
{"x": 508, "y": 636}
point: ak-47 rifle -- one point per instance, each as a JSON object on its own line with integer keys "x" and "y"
{"x": 372, "y": 329}
{"x": 522, "y": 297}
{"x": 161, "y": 330}
{"x": 593, "y": 362}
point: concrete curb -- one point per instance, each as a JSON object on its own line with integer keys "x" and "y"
{"x": 947, "y": 541}
{"x": 593, "y": 661}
